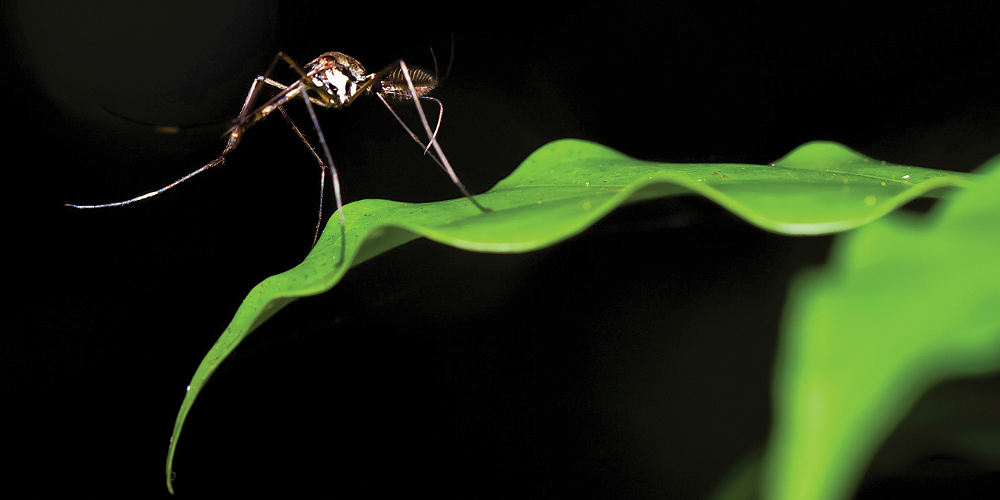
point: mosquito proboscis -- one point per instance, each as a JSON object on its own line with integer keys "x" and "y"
{"x": 332, "y": 80}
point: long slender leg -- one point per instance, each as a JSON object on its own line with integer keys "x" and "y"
{"x": 288, "y": 92}
{"x": 328, "y": 157}
{"x": 243, "y": 123}
{"x": 434, "y": 142}
{"x": 235, "y": 135}
{"x": 407, "y": 128}
{"x": 245, "y": 120}
{"x": 322, "y": 171}
{"x": 301, "y": 86}
{"x": 218, "y": 161}
{"x": 440, "y": 115}
{"x": 242, "y": 119}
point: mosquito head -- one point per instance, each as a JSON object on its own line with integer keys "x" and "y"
{"x": 339, "y": 75}
{"x": 394, "y": 84}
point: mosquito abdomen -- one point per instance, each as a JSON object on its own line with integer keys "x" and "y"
{"x": 394, "y": 84}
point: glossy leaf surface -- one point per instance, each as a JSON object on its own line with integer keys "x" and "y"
{"x": 563, "y": 188}
{"x": 905, "y": 303}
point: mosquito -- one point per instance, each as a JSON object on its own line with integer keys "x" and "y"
{"x": 332, "y": 80}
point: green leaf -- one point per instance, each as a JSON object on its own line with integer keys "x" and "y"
{"x": 904, "y": 304}
{"x": 563, "y": 188}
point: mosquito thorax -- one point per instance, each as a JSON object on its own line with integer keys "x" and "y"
{"x": 337, "y": 74}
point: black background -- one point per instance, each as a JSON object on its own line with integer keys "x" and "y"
{"x": 630, "y": 362}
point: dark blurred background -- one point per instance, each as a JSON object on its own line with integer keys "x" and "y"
{"x": 630, "y": 362}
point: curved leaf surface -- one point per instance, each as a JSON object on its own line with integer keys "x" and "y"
{"x": 904, "y": 304}
{"x": 563, "y": 188}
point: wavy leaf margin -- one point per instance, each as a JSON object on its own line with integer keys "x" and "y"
{"x": 565, "y": 187}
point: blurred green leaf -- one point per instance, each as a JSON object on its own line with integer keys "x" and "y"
{"x": 563, "y": 188}
{"x": 904, "y": 303}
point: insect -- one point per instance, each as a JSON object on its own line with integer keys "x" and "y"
{"x": 332, "y": 80}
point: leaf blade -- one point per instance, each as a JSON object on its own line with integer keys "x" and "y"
{"x": 559, "y": 191}
{"x": 889, "y": 317}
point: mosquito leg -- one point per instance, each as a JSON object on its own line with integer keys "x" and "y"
{"x": 253, "y": 88}
{"x": 322, "y": 171}
{"x": 440, "y": 115}
{"x": 303, "y": 81}
{"x": 440, "y": 105}
{"x": 218, "y": 161}
{"x": 435, "y": 59}
{"x": 237, "y": 130}
{"x": 407, "y": 128}
{"x": 434, "y": 142}
{"x": 451, "y": 60}
{"x": 322, "y": 191}
{"x": 248, "y": 118}
{"x": 234, "y": 138}
{"x": 242, "y": 124}
{"x": 328, "y": 157}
